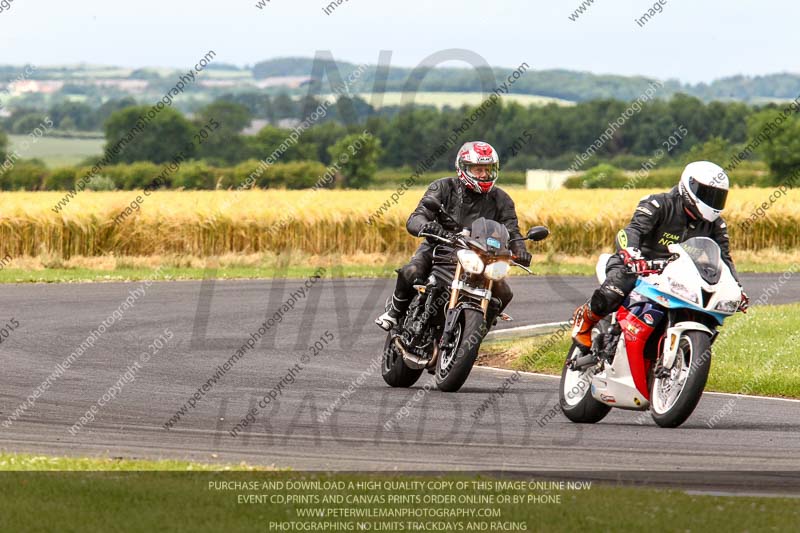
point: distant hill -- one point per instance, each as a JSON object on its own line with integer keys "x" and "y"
{"x": 562, "y": 84}
{"x": 271, "y": 75}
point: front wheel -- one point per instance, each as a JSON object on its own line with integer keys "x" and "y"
{"x": 675, "y": 395}
{"x": 394, "y": 370}
{"x": 575, "y": 398}
{"x": 454, "y": 364}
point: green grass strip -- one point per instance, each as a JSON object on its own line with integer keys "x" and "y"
{"x": 66, "y": 275}
{"x": 278, "y": 501}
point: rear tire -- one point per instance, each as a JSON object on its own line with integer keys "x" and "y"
{"x": 575, "y": 398}
{"x": 394, "y": 370}
{"x": 673, "y": 399}
{"x": 452, "y": 369}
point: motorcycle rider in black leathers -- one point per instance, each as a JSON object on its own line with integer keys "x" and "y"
{"x": 691, "y": 209}
{"x": 467, "y": 197}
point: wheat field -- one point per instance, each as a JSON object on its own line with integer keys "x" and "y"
{"x": 453, "y": 99}
{"x": 214, "y": 223}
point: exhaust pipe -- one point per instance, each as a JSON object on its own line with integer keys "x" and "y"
{"x": 434, "y": 357}
{"x": 409, "y": 358}
{"x": 585, "y": 361}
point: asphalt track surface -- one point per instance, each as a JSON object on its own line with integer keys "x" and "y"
{"x": 437, "y": 431}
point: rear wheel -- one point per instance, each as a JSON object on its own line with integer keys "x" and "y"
{"x": 454, "y": 364}
{"x": 394, "y": 370}
{"x": 674, "y": 397}
{"x": 577, "y": 402}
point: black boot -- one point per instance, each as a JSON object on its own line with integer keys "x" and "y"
{"x": 493, "y": 312}
{"x": 395, "y": 307}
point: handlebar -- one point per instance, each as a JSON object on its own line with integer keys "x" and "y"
{"x": 452, "y": 238}
{"x": 445, "y": 240}
{"x": 651, "y": 266}
{"x": 526, "y": 269}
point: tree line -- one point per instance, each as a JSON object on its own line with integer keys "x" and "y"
{"x": 526, "y": 137}
{"x": 555, "y": 134}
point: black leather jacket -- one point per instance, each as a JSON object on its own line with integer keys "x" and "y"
{"x": 660, "y": 220}
{"x": 467, "y": 206}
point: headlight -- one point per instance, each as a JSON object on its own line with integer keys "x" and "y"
{"x": 682, "y": 290}
{"x": 471, "y": 261}
{"x": 727, "y": 306}
{"x": 497, "y": 270}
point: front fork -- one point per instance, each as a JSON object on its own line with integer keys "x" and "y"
{"x": 455, "y": 291}
{"x": 485, "y": 301}
{"x": 452, "y": 312}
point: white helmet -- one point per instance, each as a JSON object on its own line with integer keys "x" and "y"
{"x": 704, "y": 189}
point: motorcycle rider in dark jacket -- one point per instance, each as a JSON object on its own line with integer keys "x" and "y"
{"x": 467, "y": 197}
{"x": 691, "y": 209}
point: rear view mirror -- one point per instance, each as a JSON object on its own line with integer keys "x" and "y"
{"x": 538, "y": 233}
{"x": 431, "y": 204}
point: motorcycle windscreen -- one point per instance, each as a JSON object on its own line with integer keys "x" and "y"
{"x": 492, "y": 235}
{"x": 706, "y": 255}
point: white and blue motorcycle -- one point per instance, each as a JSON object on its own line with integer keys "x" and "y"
{"x": 654, "y": 352}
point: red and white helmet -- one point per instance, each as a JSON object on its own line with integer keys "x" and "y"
{"x": 477, "y": 153}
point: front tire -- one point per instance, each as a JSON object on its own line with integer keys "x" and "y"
{"x": 394, "y": 370}
{"x": 674, "y": 398}
{"x": 454, "y": 365}
{"x": 575, "y": 398}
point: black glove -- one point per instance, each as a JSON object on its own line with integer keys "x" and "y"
{"x": 434, "y": 228}
{"x": 523, "y": 257}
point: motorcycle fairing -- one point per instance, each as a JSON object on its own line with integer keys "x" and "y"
{"x": 623, "y": 383}
{"x": 636, "y": 333}
{"x": 651, "y": 292}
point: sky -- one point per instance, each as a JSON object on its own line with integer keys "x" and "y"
{"x": 692, "y": 41}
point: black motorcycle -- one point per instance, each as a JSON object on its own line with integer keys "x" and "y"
{"x": 445, "y": 323}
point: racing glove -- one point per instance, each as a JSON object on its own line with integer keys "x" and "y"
{"x": 522, "y": 256}
{"x": 434, "y": 228}
{"x": 632, "y": 257}
{"x": 744, "y": 305}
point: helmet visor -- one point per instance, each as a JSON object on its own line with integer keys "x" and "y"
{"x": 713, "y": 197}
{"x": 490, "y": 174}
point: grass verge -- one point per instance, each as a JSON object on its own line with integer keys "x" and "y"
{"x": 299, "y": 501}
{"x": 266, "y": 266}
{"x": 756, "y": 353}
{"x": 26, "y": 462}
{"x": 73, "y": 275}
